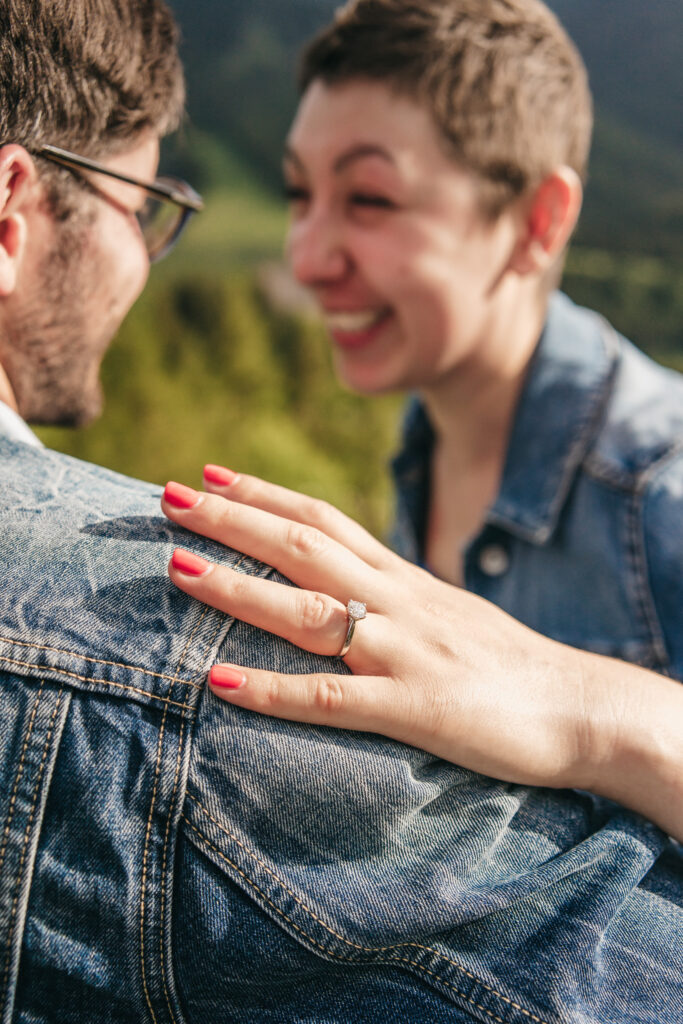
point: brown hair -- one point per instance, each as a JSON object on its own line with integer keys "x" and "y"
{"x": 506, "y": 86}
{"x": 87, "y": 75}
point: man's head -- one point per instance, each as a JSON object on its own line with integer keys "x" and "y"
{"x": 506, "y": 87}
{"x": 100, "y": 78}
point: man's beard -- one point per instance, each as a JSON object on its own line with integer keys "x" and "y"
{"x": 54, "y": 343}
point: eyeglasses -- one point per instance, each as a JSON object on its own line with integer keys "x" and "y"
{"x": 168, "y": 207}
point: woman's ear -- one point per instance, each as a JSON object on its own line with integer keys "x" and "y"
{"x": 17, "y": 175}
{"x": 549, "y": 220}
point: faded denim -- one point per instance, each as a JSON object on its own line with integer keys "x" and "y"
{"x": 165, "y": 857}
{"x": 587, "y": 529}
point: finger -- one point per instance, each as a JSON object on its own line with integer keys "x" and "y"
{"x": 363, "y": 703}
{"x": 300, "y": 508}
{"x": 302, "y": 553}
{"x": 310, "y": 620}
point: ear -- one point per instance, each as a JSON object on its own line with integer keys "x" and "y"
{"x": 17, "y": 176}
{"x": 549, "y": 219}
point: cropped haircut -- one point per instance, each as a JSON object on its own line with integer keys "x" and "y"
{"x": 503, "y": 82}
{"x": 90, "y": 76}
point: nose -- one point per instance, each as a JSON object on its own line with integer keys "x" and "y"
{"x": 315, "y": 249}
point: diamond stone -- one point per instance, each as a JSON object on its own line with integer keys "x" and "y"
{"x": 356, "y": 610}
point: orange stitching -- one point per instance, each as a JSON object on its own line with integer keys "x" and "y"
{"x": 104, "y": 682}
{"x": 163, "y": 869}
{"x": 97, "y": 661}
{"x": 354, "y": 945}
{"x": 27, "y": 834}
{"x": 17, "y": 780}
{"x": 143, "y": 884}
{"x": 393, "y": 959}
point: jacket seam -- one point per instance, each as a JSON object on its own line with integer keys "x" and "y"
{"x": 393, "y": 959}
{"x": 103, "y": 682}
{"x": 17, "y": 778}
{"x": 643, "y": 587}
{"x": 27, "y": 836}
{"x": 145, "y": 854}
{"x": 100, "y": 661}
{"x": 337, "y": 935}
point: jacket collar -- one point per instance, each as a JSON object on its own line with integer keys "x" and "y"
{"x": 560, "y": 411}
{"x": 561, "y": 408}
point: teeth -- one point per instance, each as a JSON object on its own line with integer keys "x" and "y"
{"x": 350, "y": 322}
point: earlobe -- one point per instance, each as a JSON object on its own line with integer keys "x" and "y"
{"x": 549, "y": 221}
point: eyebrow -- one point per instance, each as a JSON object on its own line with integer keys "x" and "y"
{"x": 341, "y": 163}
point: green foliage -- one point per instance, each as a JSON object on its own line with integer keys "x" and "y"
{"x": 204, "y": 371}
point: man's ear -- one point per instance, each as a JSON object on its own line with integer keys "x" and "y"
{"x": 549, "y": 219}
{"x": 17, "y": 175}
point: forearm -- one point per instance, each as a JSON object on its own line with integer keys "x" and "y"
{"x": 636, "y": 739}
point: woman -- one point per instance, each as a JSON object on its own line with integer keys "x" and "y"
{"x": 434, "y": 172}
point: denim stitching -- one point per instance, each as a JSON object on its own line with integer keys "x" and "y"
{"x": 328, "y": 928}
{"x": 104, "y": 682}
{"x": 27, "y": 835}
{"x": 17, "y": 779}
{"x": 143, "y": 884}
{"x": 162, "y": 911}
{"x": 368, "y": 949}
{"x": 98, "y": 661}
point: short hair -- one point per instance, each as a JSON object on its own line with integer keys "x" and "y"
{"x": 506, "y": 87}
{"x": 87, "y": 75}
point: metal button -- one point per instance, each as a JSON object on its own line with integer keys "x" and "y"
{"x": 494, "y": 560}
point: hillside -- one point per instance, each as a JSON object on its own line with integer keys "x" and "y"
{"x": 240, "y": 56}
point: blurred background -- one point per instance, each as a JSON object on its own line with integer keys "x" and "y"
{"x": 222, "y": 359}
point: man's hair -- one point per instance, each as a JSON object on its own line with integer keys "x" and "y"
{"x": 87, "y": 75}
{"x": 505, "y": 85}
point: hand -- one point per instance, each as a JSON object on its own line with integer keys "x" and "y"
{"x": 432, "y": 665}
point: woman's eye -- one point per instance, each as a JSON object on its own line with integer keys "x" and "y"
{"x": 295, "y": 193}
{"x": 371, "y": 200}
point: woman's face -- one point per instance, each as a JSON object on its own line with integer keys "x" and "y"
{"x": 387, "y": 232}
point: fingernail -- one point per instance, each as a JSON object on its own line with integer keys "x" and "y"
{"x": 219, "y": 475}
{"x": 226, "y": 678}
{"x": 180, "y": 496}
{"x": 192, "y": 565}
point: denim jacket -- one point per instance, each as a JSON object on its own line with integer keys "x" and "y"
{"x": 166, "y": 857}
{"x": 584, "y": 542}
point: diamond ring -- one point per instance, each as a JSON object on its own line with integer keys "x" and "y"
{"x": 355, "y": 611}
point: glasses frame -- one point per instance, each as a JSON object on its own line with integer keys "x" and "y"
{"x": 171, "y": 190}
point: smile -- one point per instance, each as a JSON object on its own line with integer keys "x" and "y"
{"x": 351, "y": 329}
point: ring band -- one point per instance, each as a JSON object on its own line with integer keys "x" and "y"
{"x": 355, "y": 611}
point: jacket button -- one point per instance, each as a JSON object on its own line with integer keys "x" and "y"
{"x": 494, "y": 560}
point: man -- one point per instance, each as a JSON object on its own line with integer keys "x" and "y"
{"x": 164, "y": 857}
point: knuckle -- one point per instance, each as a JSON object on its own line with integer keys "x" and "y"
{"x": 319, "y": 513}
{"x": 328, "y": 696}
{"x": 305, "y": 541}
{"x": 314, "y": 611}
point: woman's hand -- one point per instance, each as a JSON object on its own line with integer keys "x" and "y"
{"x": 433, "y": 666}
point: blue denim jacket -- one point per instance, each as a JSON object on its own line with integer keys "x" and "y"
{"x": 584, "y": 542}
{"x": 166, "y": 857}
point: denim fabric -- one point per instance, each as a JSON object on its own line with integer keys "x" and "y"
{"x": 586, "y": 531}
{"x": 165, "y": 857}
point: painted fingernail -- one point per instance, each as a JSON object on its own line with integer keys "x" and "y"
{"x": 225, "y": 678}
{"x": 219, "y": 475}
{"x": 191, "y": 565}
{"x": 180, "y": 496}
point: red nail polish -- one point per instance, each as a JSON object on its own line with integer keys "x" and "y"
{"x": 192, "y": 565}
{"x": 219, "y": 475}
{"x": 180, "y": 496}
{"x": 226, "y": 678}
